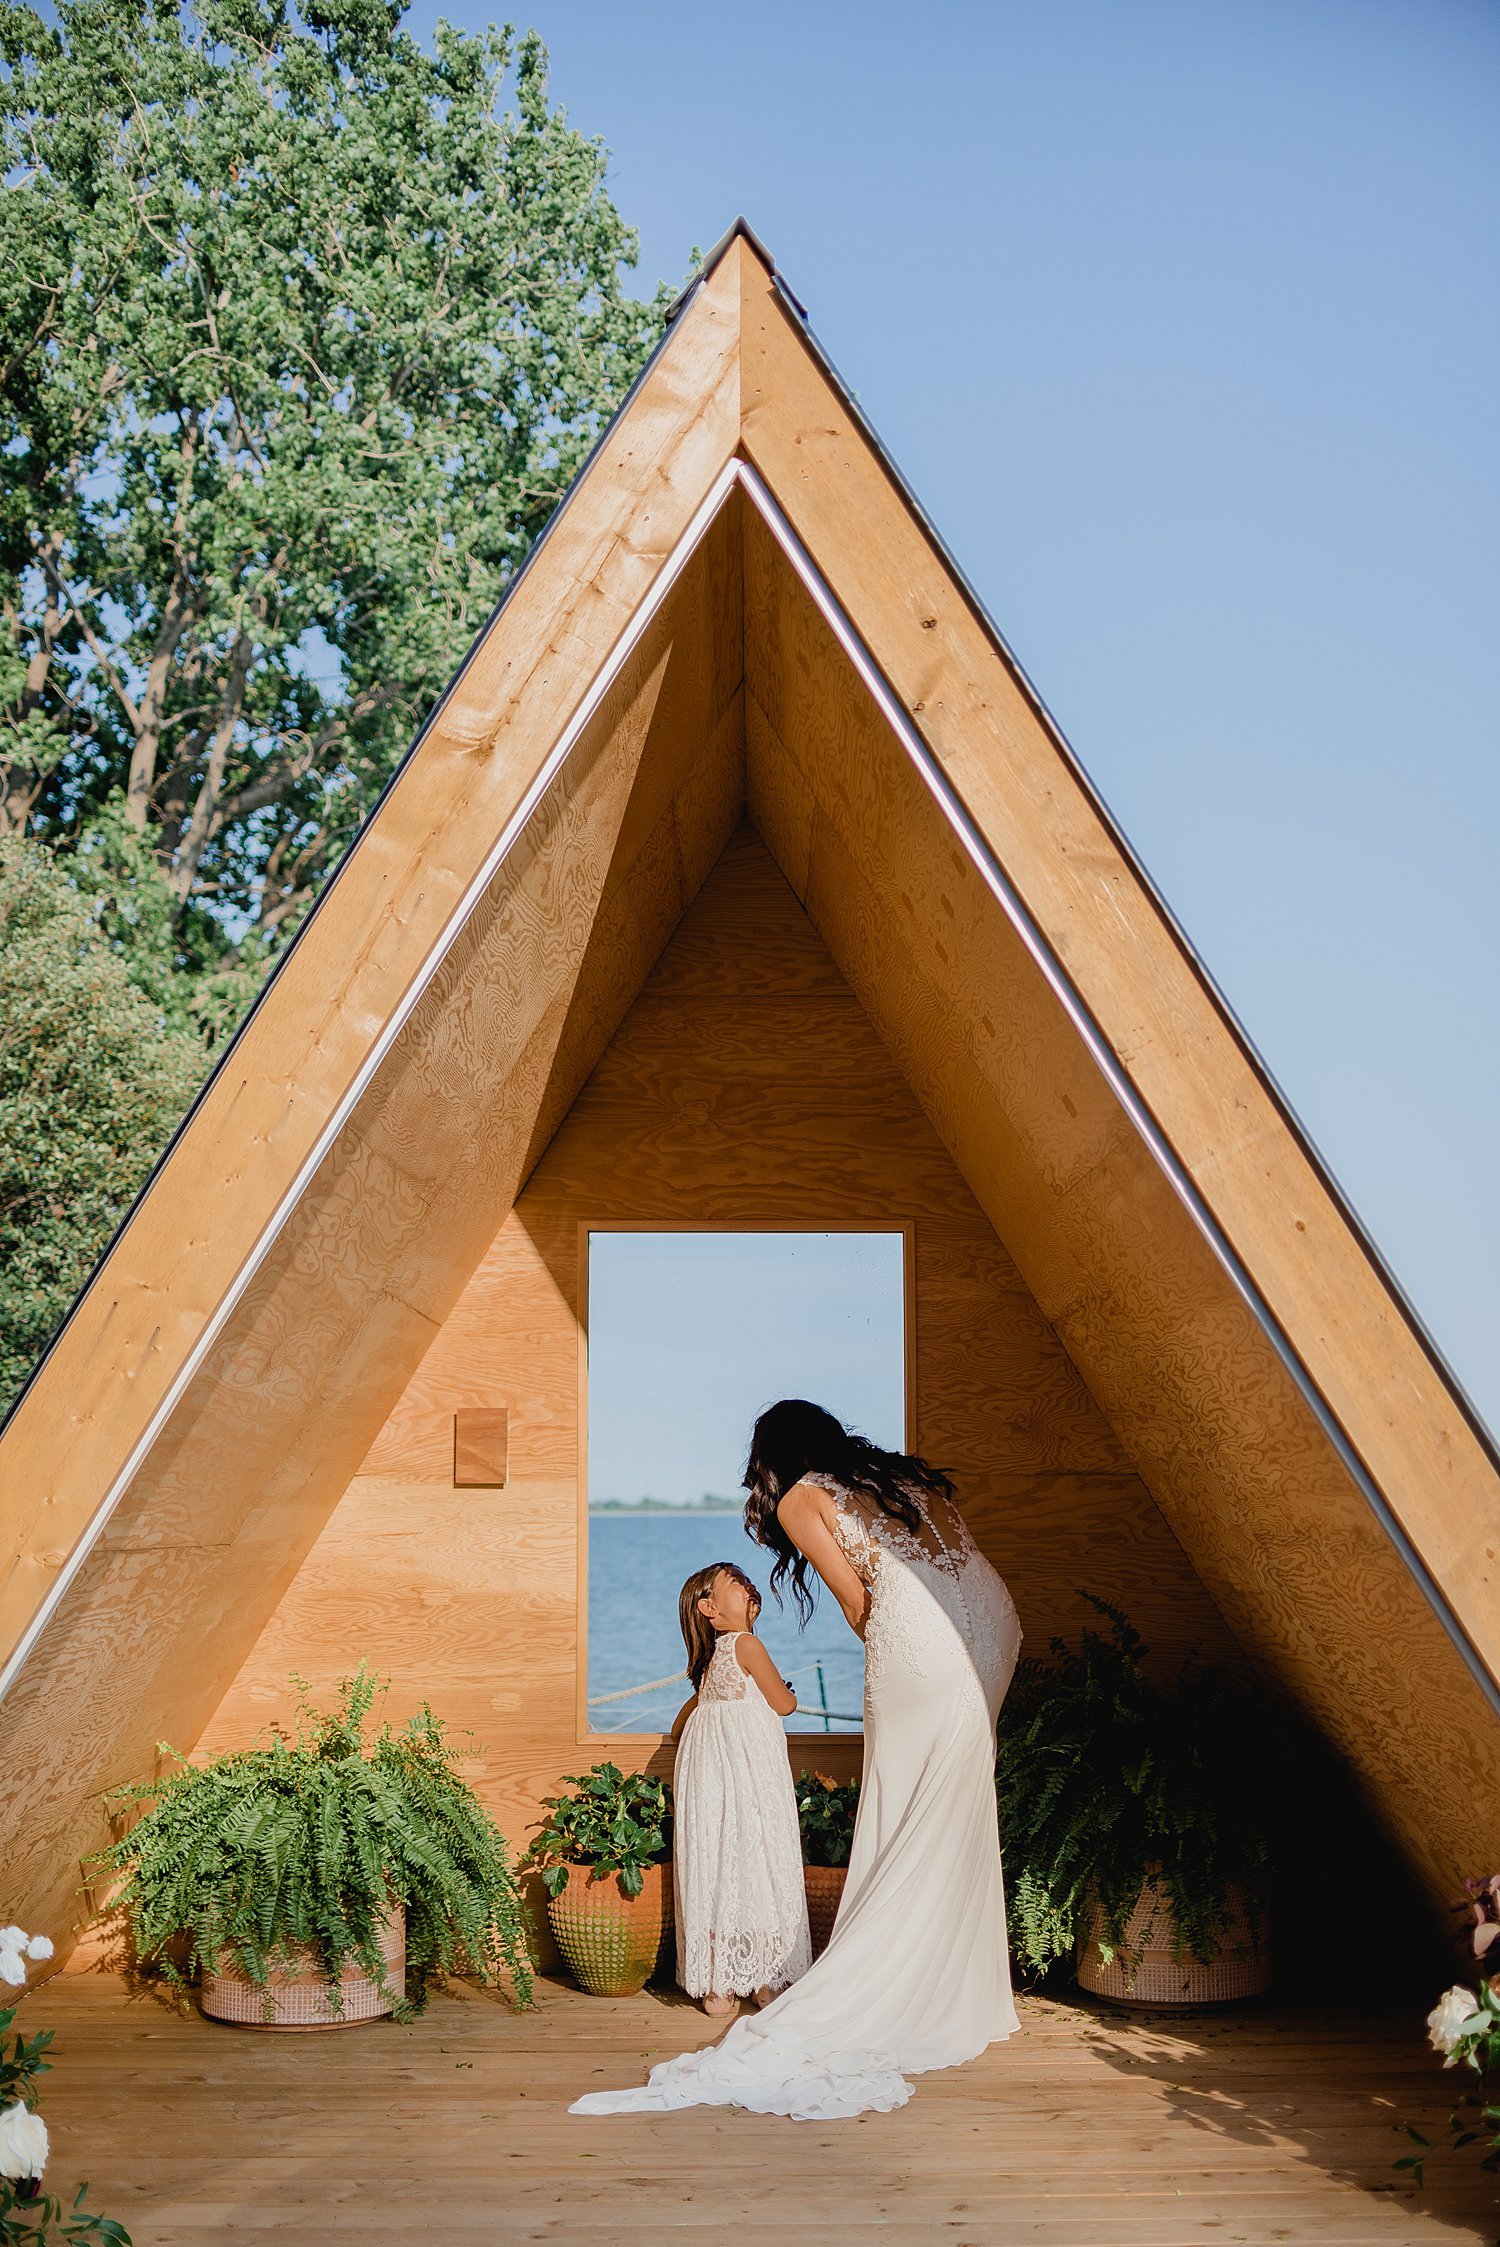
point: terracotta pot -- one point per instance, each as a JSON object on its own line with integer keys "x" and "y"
{"x": 825, "y": 1888}
{"x": 611, "y": 1941}
{"x": 1148, "y": 1974}
{"x": 299, "y": 1999}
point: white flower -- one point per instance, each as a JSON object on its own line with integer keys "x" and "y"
{"x": 16, "y": 1946}
{"x": 23, "y": 2142}
{"x": 1450, "y": 2018}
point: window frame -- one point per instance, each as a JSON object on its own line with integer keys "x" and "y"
{"x": 640, "y": 1746}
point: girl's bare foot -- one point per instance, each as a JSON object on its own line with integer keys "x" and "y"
{"x": 765, "y": 1994}
{"x": 717, "y": 2006}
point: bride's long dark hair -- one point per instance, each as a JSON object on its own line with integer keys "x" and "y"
{"x": 795, "y": 1438}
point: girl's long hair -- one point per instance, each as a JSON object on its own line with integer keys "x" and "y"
{"x": 795, "y": 1438}
{"x": 698, "y": 1633}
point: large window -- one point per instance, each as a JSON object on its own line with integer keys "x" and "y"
{"x": 690, "y": 1335}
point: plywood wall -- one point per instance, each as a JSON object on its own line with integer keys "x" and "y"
{"x": 745, "y": 1087}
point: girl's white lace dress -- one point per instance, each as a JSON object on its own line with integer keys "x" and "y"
{"x": 737, "y": 1870}
{"x": 917, "y": 1974}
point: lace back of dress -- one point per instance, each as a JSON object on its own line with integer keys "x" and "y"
{"x": 941, "y": 1538}
{"x": 724, "y": 1680}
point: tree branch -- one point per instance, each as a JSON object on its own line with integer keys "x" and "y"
{"x": 207, "y": 816}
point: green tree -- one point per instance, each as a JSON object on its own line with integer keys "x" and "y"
{"x": 301, "y": 341}
{"x": 92, "y": 1082}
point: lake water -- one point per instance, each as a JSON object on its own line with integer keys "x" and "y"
{"x": 638, "y": 1565}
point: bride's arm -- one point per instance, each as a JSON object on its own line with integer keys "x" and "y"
{"x": 805, "y": 1514}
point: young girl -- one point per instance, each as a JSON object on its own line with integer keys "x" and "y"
{"x": 741, "y": 1902}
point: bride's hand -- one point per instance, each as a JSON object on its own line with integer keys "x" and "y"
{"x": 806, "y": 1514}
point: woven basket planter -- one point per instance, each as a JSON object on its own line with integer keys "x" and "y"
{"x": 299, "y": 1999}
{"x": 1241, "y": 1969}
{"x": 611, "y": 1941}
{"x": 825, "y": 1888}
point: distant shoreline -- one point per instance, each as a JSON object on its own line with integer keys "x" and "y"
{"x": 658, "y": 1509}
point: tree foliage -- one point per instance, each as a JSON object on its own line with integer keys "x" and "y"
{"x": 92, "y": 1082}
{"x": 301, "y": 341}
{"x": 303, "y": 336}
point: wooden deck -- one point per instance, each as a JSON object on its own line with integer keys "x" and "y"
{"x": 1091, "y": 2130}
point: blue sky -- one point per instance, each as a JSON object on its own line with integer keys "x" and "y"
{"x": 1183, "y": 320}
{"x": 691, "y": 1335}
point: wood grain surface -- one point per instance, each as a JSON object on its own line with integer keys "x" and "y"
{"x": 1157, "y": 1015}
{"x": 1263, "y": 2127}
{"x": 745, "y": 1086}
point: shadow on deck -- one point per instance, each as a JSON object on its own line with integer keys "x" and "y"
{"x": 1092, "y": 2129}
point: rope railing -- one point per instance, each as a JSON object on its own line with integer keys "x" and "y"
{"x": 680, "y": 1677}
{"x": 629, "y": 1692}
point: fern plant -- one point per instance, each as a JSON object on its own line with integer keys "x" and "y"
{"x": 1107, "y": 1780}
{"x": 613, "y": 1822}
{"x": 305, "y": 1842}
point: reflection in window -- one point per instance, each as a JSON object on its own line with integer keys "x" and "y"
{"x": 690, "y": 1335}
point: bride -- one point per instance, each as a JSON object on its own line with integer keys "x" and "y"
{"x": 916, "y": 1973}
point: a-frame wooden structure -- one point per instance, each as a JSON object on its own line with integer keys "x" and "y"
{"x": 740, "y": 877}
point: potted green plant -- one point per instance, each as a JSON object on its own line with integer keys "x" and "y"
{"x": 604, "y": 1854}
{"x": 826, "y": 1811}
{"x": 1133, "y": 1823}
{"x": 321, "y": 1879}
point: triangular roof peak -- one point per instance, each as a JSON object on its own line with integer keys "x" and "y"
{"x": 741, "y": 606}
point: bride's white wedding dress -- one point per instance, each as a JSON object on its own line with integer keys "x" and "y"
{"x": 916, "y": 1974}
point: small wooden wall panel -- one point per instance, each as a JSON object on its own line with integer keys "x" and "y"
{"x": 480, "y": 1447}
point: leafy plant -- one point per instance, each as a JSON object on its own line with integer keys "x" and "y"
{"x": 1107, "y": 1781}
{"x": 613, "y": 1822}
{"x": 826, "y": 1810}
{"x": 307, "y": 1841}
{"x": 1464, "y": 2026}
{"x": 26, "y": 2212}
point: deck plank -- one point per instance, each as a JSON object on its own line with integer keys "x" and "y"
{"x": 1264, "y": 2128}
